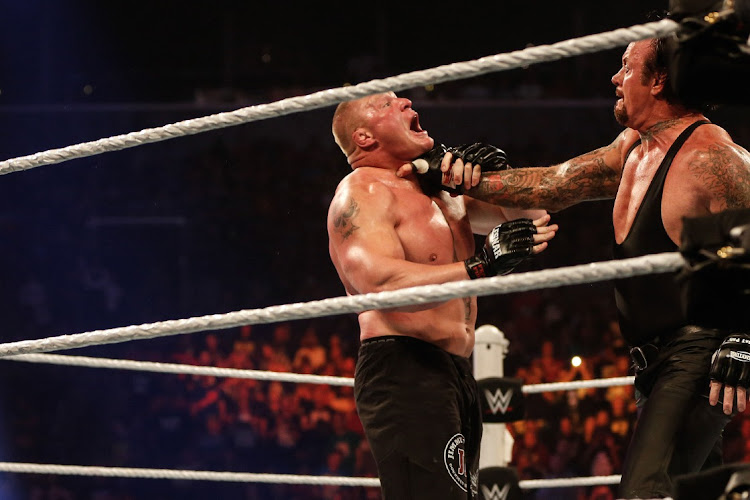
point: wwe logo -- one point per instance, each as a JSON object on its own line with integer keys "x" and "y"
{"x": 499, "y": 401}
{"x": 495, "y": 493}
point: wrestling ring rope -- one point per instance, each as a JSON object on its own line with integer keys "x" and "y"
{"x": 440, "y": 74}
{"x": 504, "y": 284}
{"x": 548, "y": 278}
{"x": 29, "y": 350}
{"x": 174, "y": 368}
{"x": 266, "y": 376}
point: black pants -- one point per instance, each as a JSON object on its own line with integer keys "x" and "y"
{"x": 677, "y": 432}
{"x": 418, "y": 405}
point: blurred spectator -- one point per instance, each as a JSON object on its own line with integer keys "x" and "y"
{"x": 310, "y": 352}
{"x": 274, "y": 359}
{"x": 531, "y": 452}
{"x": 212, "y": 354}
{"x": 244, "y": 344}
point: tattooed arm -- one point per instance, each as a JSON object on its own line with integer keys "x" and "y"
{"x": 591, "y": 176}
{"x": 365, "y": 246}
{"x": 723, "y": 170}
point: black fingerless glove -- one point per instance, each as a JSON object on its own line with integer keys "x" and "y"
{"x": 731, "y": 361}
{"x": 506, "y": 246}
{"x": 488, "y": 156}
{"x": 432, "y": 179}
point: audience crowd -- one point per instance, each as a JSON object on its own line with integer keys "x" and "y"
{"x": 249, "y": 425}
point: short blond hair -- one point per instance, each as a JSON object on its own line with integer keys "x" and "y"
{"x": 343, "y": 126}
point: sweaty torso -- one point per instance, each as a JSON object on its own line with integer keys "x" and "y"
{"x": 656, "y": 191}
{"x": 432, "y": 231}
{"x": 682, "y": 197}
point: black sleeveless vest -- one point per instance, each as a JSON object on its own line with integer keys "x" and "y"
{"x": 650, "y": 305}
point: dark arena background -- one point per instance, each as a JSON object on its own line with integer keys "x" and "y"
{"x": 235, "y": 219}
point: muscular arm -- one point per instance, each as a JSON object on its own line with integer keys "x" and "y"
{"x": 591, "y": 176}
{"x": 723, "y": 169}
{"x": 484, "y": 216}
{"x": 366, "y": 249}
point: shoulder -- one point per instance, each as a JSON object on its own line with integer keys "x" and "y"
{"x": 718, "y": 165}
{"x": 625, "y": 141}
{"x": 711, "y": 147}
{"x": 360, "y": 189}
{"x": 363, "y": 182}
{"x": 616, "y": 154}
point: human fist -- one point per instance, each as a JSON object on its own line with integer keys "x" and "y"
{"x": 488, "y": 156}
{"x": 730, "y": 368}
{"x": 450, "y": 169}
{"x": 431, "y": 178}
{"x": 506, "y": 246}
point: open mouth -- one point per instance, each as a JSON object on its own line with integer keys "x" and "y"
{"x": 414, "y": 125}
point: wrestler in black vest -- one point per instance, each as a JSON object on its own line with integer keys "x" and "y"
{"x": 649, "y": 306}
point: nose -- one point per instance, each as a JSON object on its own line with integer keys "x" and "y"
{"x": 405, "y": 103}
{"x": 616, "y": 78}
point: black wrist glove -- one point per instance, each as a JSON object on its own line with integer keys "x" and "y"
{"x": 488, "y": 156}
{"x": 432, "y": 179}
{"x": 506, "y": 246}
{"x": 731, "y": 361}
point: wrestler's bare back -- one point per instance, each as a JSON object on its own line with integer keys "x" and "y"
{"x": 386, "y": 220}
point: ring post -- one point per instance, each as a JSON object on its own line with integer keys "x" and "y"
{"x": 490, "y": 348}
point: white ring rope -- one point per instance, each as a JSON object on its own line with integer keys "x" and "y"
{"x": 567, "y": 482}
{"x": 245, "y": 477}
{"x": 250, "y": 477}
{"x": 448, "y": 72}
{"x": 578, "y": 384}
{"x": 177, "y": 368}
{"x": 548, "y": 278}
{"x": 182, "y": 369}
{"x": 265, "y": 375}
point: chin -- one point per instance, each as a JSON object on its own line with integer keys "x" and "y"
{"x": 424, "y": 146}
{"x": 621, "y": 116}
{"x": 426, "y": 142}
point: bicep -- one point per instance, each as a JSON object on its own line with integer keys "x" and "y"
{"x": 363, "y": 239}
{"x": 723, "y": 170}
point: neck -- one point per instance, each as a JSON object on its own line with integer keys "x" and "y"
{"x": 664, "y": 131}
{"x": 374, "y": 159}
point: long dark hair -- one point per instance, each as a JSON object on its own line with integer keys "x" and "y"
{"x": 658, "y": 63}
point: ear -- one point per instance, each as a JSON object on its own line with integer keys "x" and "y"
{"x": 660, "y": 83}
{"x": 363, "y": 138}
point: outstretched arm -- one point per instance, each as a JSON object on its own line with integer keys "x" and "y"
{"x": 591, "y": 176}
